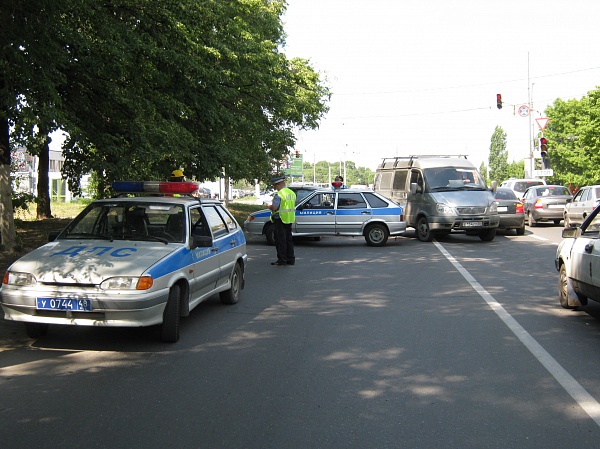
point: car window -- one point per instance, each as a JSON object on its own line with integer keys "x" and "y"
{"x": 351, "y": 201}
{"x": 215, "y": 222}
{"x": 579, "y": 196}
{"x": 505, "y": 195}
{"x": 227, "y": 218}
{"x": 199, "y": 223}
{"x": 321, "y": 201}
{"x": 585, "y": 195}
{"x": 375, "y": 201}
{"x": 301, "y": 194}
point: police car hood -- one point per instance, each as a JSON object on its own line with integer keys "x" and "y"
{"x": 464, "y": 197}
{"x": 91, "y": 262}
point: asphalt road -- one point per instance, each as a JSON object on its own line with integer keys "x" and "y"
{"x": 450, "y": 344}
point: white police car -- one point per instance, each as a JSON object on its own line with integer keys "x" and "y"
{"x": 130, "y": 261}
{"x": 343, "y": 212}
{"x": 578, "y": 263}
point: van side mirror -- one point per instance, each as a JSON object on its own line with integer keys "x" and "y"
{"x": 414, "y": 188}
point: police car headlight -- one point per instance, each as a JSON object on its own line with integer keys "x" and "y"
{"x": 19, "y": 279}
{"x": 494, "y": 208}
{"x": 444, "y": 209}
{"x": 127, "y": 283}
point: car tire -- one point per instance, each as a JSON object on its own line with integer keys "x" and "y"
{"x": 563, "y": 289}
{"x": 270, "y": 234}
{"x": 531, "y": 222}
{"x": 376, "y": 234}
{"x": 36, "y": 330}
{"x": 232, "y": 295}
{"x": 557, "y": 222}
{"x": 424, "y": 233}
{"x": 520, "y": 231}
{"x": 488, "y": 235}
{"x": 169, "y": 330}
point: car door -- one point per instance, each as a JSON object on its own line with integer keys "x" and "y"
{"x": 576, "y": 208}
{"x": 316, "y": 215}
{"x": 225, "y": 241}
{"x": 352, "y": 212}
{"x": 206, "y": 260}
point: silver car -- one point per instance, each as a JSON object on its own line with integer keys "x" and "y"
{"x": 342, "y": 212}
{"x": 545, "y": 203}
{"x": 130, "y": 262}
{"x": 584, "y": 202}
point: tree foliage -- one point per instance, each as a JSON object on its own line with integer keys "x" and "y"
{"x": 573, "y": 134}
{"x": 143, "y": 87}
{"x": 498, "y": 160}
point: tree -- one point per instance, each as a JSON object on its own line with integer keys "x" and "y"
{"x": 573, "y": 134}
{"x": 498, "y": 160}
{"x": 142, "y": 88}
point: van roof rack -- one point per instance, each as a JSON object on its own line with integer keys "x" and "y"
{"x": 420, "y": 156}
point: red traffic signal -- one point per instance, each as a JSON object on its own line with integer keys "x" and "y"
{"x": 543, "y": 144}
{"x": 499, "y": 101}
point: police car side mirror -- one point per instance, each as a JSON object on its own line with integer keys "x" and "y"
{"x": 201, "y": 241}
{"x": 571, "y": 233}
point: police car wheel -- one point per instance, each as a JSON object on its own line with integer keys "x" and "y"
{"x": 376, "y": 235}
{"x": 36, "y": 330}
{"x": 232, "y": 295}
{"x": 170, "y": 326}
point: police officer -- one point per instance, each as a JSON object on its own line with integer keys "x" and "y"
{"x": 177, "y": 176}
{"x": 283, "y": 214}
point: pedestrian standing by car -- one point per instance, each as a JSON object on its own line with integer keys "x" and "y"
{"x": 338, "y": 183}
{"x": 283, "y": 214}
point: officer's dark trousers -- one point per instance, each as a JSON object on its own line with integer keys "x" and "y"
{"x": 284, "y": 242}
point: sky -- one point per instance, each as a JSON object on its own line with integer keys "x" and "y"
{"x": 421, "y": 76}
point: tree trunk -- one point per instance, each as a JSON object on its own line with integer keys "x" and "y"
{"x": 8, "y": 235}
{"x": 43, "y": 187}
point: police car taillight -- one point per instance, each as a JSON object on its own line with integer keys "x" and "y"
{"x": 182, "y": 188}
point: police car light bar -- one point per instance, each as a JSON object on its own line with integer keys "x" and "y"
{"x": 182, "y": 188}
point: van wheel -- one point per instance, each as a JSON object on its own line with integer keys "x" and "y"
{"x": 169, "y": 330}
{"x": 488, "y": 235}
{"x": 376, "y": 235}
{"x": 270, "y": 234}
{"x": 424, "y": 233}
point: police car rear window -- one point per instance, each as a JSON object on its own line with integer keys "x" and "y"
{"x": 375, "y": 201}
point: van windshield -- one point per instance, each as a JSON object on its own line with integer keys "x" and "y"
{"x": 450, "y": 178}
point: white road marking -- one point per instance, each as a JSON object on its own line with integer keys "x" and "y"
{"x": 585, "y": 400}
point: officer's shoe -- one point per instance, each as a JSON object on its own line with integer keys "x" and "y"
{"x": 279, "y": 263}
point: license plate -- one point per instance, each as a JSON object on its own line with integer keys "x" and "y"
{"x": 472, "y": 224}
{"x": 78, "y": 305}
{"x": 556, "y": 206}
{"x": 502, "y": 209}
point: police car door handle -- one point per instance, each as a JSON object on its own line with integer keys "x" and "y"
{"x": 329, "y": 212}
{"x": 232, "y": 243}
{"x": 366, "y": 212}
{"x": 214, "y": 249}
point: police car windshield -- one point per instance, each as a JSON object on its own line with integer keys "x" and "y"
{"x": 129, "y": 221}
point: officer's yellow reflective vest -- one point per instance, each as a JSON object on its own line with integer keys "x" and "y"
{"x": 287, "y": 210}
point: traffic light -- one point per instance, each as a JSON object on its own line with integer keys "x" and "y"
{"x": 499, "y": 101}
{"x": 544, "y": 153}
{"x": 297, "y": 153}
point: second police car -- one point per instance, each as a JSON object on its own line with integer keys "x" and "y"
{"x": 129, "y": 262}
{"x": 342, "y": 212}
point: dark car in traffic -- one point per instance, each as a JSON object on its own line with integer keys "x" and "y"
{"x": 510, "y": 210}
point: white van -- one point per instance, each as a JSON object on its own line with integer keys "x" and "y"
{"x": 440, "y": 194}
